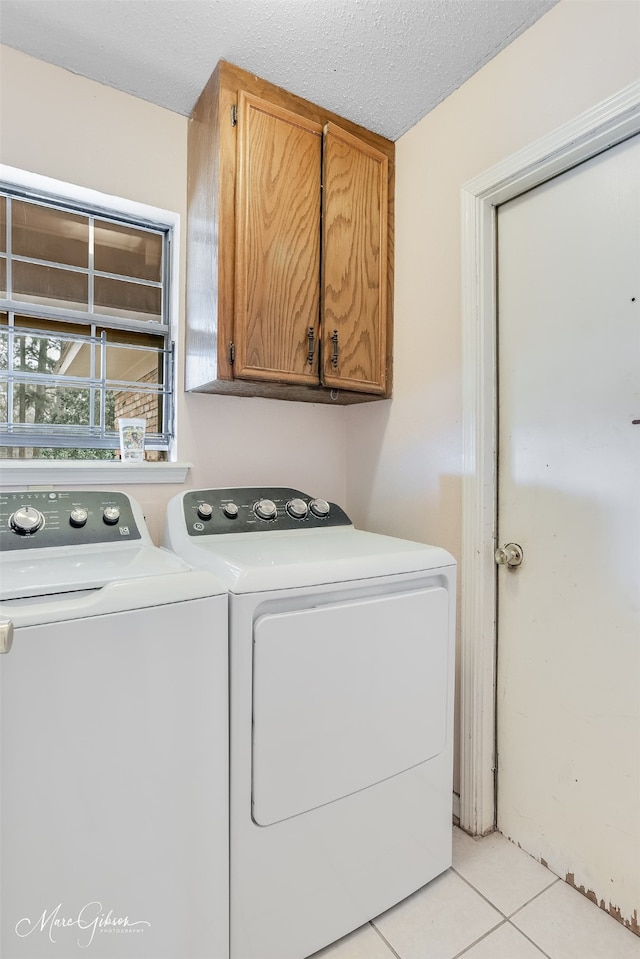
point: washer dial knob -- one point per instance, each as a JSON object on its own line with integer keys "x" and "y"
{"x": 230, "y": 510}
{"x": 26, "y": 520}
{"x": 319, "y": 507}
{"x": 205, "y": 510}
{"x": 78, "y": 516}
{"x": 297, "y": 508}
{"x": 111, "y": 515}
{"x": 265, "y": 509}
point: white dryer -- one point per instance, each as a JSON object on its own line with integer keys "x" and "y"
{"x": 341, "y": 684}
{"x": 113, "y": 737}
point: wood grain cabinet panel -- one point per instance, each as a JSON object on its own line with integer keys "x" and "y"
{"x": 289, "y": 247}
{"x": 277, "y": 243}
{"x": 354, "y": 274}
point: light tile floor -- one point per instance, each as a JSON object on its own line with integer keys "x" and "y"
{"x": 496, "y": 902}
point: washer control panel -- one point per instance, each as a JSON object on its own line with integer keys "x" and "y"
{"x": 36, "y": 519}
{"x": 249, "y": 509}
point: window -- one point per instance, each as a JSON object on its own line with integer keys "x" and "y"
{"x": 85, "y": 326}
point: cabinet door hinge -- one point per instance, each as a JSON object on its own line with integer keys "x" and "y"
{"x": 232, "y": 352}
{"x": 234, "y": 115}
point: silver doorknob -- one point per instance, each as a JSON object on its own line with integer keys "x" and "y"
{"x": 510, "y": 555}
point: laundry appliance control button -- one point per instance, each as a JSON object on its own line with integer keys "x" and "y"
{"x": 297, "y": 508}
{"x": 26, "y": 520}
{"x": 230, "y": 510}
{"x": 78, "y": 516}
{"x": 319, "y": 507}
{"x": 205, "y": 510}
{"x": 265, "y": 509}
{"x": 111, "y": 515}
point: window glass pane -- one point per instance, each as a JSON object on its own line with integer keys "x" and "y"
{"x": 42, "y": 233}
{"x": 50, "y": 286}
{"x": 73, "y": 453}
{"x": 41, "y": 346}
{"x": 65, "y": 383}
{"x": 127, "y": 251}
{"x": 34, "y": 354}
{"x": 53, "y": 328}
{"x": 130, "y": 356}
{"x": 3, "y": 224}
{"x": 133, "y": 300}
{"x": 147, "y": 406}
{"x": 50, "y": 404}
{"x": 65, "y": 453}
{"x": 110, "y": 421}
{"x": 134, "y": 357}
{"x": 66, "y": 349}
{"x": 141, "y": 366}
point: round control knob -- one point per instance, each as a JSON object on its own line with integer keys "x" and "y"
{"x": 319, "y": 507}
{"x": 26, "y": 520}
{"x": 230, "y": 510}
{"x": 297, "y": 508}
{"x": 265, "y": 509}
{"x": 205, "y": 510}
{"x": 78, "y": 516}
{"x": 111, "y": 515}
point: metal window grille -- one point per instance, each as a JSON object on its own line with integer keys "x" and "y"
{"x": 84, "y": 326}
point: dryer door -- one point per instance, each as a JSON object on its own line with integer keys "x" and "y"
{"x": 346, "y": 695}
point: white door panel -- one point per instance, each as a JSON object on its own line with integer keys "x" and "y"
{"x": 344, "y": 696}
{"x": 569, "y": 494}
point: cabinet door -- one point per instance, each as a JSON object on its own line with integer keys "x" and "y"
{"x": 277, "y": 244}
{"x": 354, "y": 274}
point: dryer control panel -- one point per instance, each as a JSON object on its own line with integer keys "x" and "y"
{"x": 51, "y": 518}
{"x": 250, "y": 509}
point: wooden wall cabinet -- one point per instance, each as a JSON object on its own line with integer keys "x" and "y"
{"x": 289, "y": 247}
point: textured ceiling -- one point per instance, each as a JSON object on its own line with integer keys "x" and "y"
{"x": 381, "y": 63}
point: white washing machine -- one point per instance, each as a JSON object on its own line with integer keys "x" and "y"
{"x": 113, "y": 737}
{"x": 341, "y": 682}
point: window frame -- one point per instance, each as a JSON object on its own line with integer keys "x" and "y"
{"x": 89, "y": 201}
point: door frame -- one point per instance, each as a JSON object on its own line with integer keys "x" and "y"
{"x": 608, "y": 123}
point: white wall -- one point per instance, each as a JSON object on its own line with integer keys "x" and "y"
{"x": 57, "y": 124}
{"x": 404, "y": 463}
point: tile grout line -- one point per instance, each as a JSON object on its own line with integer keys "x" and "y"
{"x": 466, "y": 950}
{"x": 482, "y": 895}
{"x": 481, "y": 938}
{"x": 532, "y": 941}
{"x": 533, "y": 898}
{"x": 386, "y": 941}
{"x": 505, "y": 919}
{"x": 493, "y": 905}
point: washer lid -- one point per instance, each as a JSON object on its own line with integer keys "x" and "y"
{"x": 256, "y": 562}
{"x": 63, "y": 569}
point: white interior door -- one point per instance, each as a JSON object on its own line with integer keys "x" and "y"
{"x": 568, "y": 687}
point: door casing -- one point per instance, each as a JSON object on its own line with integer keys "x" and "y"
{"x": 610, "y": 122}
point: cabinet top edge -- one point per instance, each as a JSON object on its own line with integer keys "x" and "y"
{"x": 229, "y": 77}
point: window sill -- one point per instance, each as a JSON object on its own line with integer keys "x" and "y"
{"x": 88, "y": 473}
